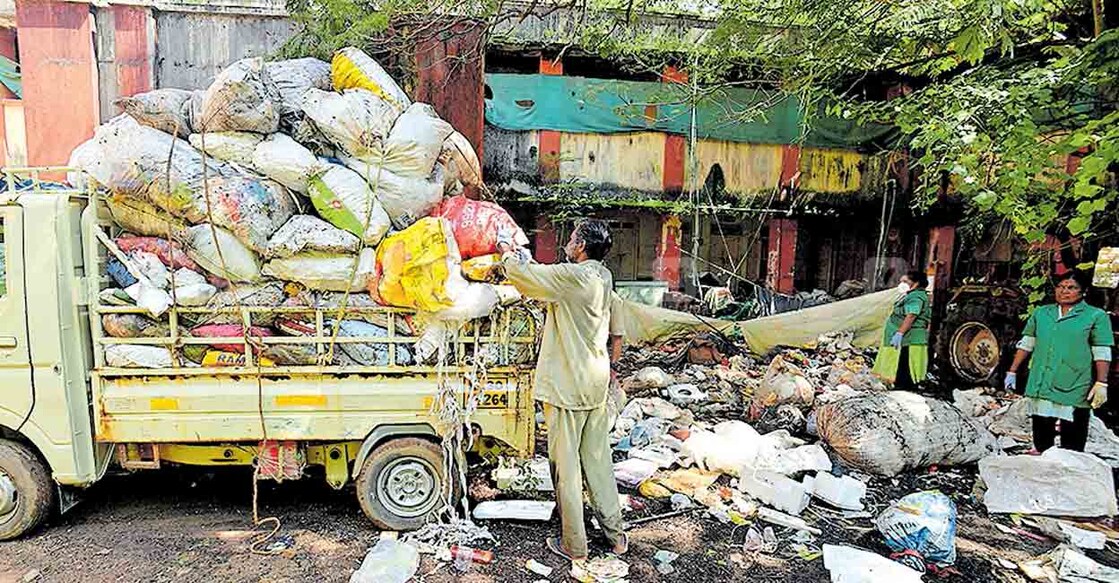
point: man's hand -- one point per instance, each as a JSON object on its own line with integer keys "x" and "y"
{"x": 896, "y": 340}
{"x": 1010, "y": 383}
{"x": 1098, "y": 395}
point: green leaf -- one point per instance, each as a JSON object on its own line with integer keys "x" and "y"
{"x": 1078, "y": 225}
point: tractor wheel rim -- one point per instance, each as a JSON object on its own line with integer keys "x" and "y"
{"x": 408, "y": 487}
{"x": 974, "y": 351}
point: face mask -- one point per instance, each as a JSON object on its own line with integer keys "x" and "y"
{"x": 903, "y": 288}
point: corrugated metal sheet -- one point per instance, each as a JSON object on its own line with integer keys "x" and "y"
{"x": 827, "y": 170}
{"x": 746, "y": 168}
{"x": 194, "y": 47}
{"x": 634, "y": 160}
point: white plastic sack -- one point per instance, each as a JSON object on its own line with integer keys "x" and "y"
{"x": 514, "y": 510}
{"x": 851, "y": 565}
{"x": 167, "y": 110}
{"x": 390, "y": 561}
{"x": 353, "y": 68}
{"x": 413, "y": 146}
{"x": 143, "y": 218}
{"x": 473, "y": 300}
{"x": 372, "y": 353}
{"x": 240, "y": 263}
{"x": 650, "y": 377}
{"x": 153, "y": 299}
{"x": 343, "y": 198}
{"x": 886, "y": 433}
{"x": 729, "y": 447}
{"x": 293, "y": 77}
{"x": 459, "y": 152}
{"x": 191, "y": 288}
{"x": 631, "y": 472}
{"x": 286, "y": 161}
{"x": 137, "y": 356}
{"x": 90, "y": 162}
{"x": 1059, "y": 482}
{"x": 325, "y": 272}
{"x": 356, "y": 121}
{"x": 250, "y": 208}
{"x": 241, "y": 98}
{"x": 236, "y": 147}
{"x": 152, "y": 268}
{"x": 406, "y": 200}
{"x": 310, "y": 234}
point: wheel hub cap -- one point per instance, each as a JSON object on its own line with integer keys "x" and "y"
{"x": 7, "y": 494}
{"x": 409, "y": 488}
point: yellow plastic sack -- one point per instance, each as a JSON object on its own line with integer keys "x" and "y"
{"x": 418, "y": 267}
{"x": 352, "y": 69}
{"x": 481, "y": 268}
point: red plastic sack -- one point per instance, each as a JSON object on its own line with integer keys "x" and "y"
{"x": 476, "y": 223}
{"x": 230, "y": 331}
{"x": 169, "y": 252}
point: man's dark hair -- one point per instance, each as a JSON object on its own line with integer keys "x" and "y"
{"x": 1080, "y": 277}
{"x": 918, "y": 277}
{"x": 595, "y": 236}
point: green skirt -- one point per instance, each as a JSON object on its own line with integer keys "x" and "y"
{"x": 886, "y": 365}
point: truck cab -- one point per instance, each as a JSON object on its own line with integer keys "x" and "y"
{"x": 398, "y": 432}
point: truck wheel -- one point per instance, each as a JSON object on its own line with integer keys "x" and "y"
{"x": 26, "y": 490}
{"x": 976, "y": 339}
{"x": 402, "y": 483}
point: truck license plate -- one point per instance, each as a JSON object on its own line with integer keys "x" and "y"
{"x": 494, "y": 400}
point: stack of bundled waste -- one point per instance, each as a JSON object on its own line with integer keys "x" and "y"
{"x": 292, "y": 183}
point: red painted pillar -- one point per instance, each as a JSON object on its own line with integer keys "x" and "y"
{"x": 132, "y": 49}
{"x": 59, "y": 77}
{"x": 675, "y": 146}
{"x": 550, "y": 139}
{"x": 547, "y": 245}
{"x": 667, "y": 267}
{"x": 790, "y": 169}
{"x": 781, "y": 257}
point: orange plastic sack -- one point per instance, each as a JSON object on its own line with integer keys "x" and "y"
{"x": 418, "y": 267}
{"x": 476, "y": 223}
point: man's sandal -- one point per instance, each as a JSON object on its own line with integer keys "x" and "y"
{"x": 556, "y": 546}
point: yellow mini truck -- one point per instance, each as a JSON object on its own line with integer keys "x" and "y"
{"x": 67, "y": 415}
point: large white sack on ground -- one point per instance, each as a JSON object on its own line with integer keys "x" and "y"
{"x": 1059, "y": 482}
{"x": 241, "y": 98}
{"x": 293, "y": 77}
{"x": 286, "y": 161}
{"x": 886, "y": 433}
{"x": 356, "y": 121}
{"x": 730, "y": 446}
{"x": 306, "y": 233}
{"x": 851, "y": 565}
{"x": 236, "y": 147}
{"x": 413, "y": 146}
{"x": 167, "y": 110}
{"x": 240, "y": 263}
{"x": 325, "y": 272}
{"x": 344, "y": 199}
{"x": 250, "y": 208}
{"x": 148, "y": 164}
{"x": 406, "y": 200}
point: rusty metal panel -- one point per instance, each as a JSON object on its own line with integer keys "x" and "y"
{"x": 745, "y": 168}
{"x": 830, "y": 170}
{"x": 633, "y": 160}
{"x": 194, "y": 47}
{"x": 450, "y": 76}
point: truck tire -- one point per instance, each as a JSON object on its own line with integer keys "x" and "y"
{"x": 401, "y": 484}
{"x": 975, "y": 340}
{"x": 26, "y": 490}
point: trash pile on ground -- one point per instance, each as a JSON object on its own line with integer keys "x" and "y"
{"x": 290, "y": 184}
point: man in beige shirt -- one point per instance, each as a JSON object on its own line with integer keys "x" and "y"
{"x": 572, "y": 377}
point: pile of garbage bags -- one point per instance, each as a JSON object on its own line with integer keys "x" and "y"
{"x": 279, "y": 184}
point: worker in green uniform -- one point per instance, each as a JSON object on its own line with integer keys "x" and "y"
{"x": 1069, "y": 347}
{"x": 903, "y": 358}
{"x": 572, "y": 377}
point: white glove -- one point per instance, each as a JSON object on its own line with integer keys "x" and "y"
{"x": 505, "y": 239}
{"x": 1011, "y": 381}
{"x": 1098, "y": 395}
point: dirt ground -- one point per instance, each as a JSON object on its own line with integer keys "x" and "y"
{"x": 193, "y": 525}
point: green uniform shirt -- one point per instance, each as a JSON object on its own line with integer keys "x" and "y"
{"x": 1061, "y": 363}
{"x": 915, "y": 302}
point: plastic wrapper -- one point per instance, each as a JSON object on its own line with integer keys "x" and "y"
{"x": 191, "y": 288}
{"x": 476, "y": 225}
{"x": 137, "y": 356}
{"x": 406, "y": 200}
{"x": 357, "y": 121}
{"x": 133, "y": 326}
{"x": 1059, "y": 482}
{"x": 343, "y": 198}
{"x": 152, "y": 268}
{"x": 119, "y": 273}
{"x": 887, "y": 433}
{"x": 166, "y": 110}
{"x": 783, "y": 382}
{"x": 232, "y": 331}
{"x": 418, "y": 268}
{"x": 325, "y": 272}
{"x": 390, "y": 561}
{"x": 483, "y": 268}
{"x": 236, "y": 262}
{"x": 310, "y": 234}
{"x": 351, "y": 68}
{"x": 286, "y": 161}
{"x": 236, "y": 147}
{"x": 923, "y": 523}
{"x": 241, "y": 98}
{"x": 413, "y": 146}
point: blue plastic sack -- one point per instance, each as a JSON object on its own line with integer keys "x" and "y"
{"x": 120, "y": 274}
{"x": 923, "y": 527}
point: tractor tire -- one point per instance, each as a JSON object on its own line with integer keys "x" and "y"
{"x": 26, "y": 490}
{"x": 402, "y": 483}
{"x": 975, "y": 340}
